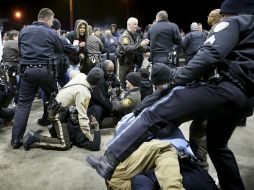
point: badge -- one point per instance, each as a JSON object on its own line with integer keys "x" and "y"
{"x": 126, "y": 102}
{"x": 125, "y": 40}
{"x": 86, "y": 102}
{"x": 220, "y": 26}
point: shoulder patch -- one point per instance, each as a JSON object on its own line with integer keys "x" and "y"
{"x": 220, "y": 26}
{"x": 86, "y": 102}
{"x": 125, "y": 41}
{"x": 126, "y": 102}
{"x": 210, "y": 40}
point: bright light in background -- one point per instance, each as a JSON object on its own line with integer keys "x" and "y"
{"x": 17, "y": 14}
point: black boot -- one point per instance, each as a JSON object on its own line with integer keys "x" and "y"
{"x": 104, "y": 165}
{"x": 30, "y": 138}
{"x": 16, "y": 143}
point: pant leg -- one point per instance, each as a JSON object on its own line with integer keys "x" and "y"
{"x": 27, "y": 93}
{"x": 143, "y": 159}
{"x": 218, "y": 134}
{"x": 62, "y": 142}
{"x": 195, "y": 178}
{"x": 167, "y": 170}
{"x": 197, "y": 139}
{"x": 124, "y": 69}
{"x": 145, "y": 181}
{"x": 176, "y": 107}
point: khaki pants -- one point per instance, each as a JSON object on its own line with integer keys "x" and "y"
{"x": 154, "y": 154}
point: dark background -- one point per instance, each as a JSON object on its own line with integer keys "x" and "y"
{"x": 105, "y": 12}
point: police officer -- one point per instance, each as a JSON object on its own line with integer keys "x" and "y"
{"x": 126, "y": 101}
{"x": 77, "y": 93}
{"x": 223, "y": 99}
{"x": 61, "y": 64}
{"x": 62, "y": 61}
{"x": 130, "y": 49}
{"x": 93, "y": 49}
{"x": 193, "y": 41}
{"x": 163, "y": 35}
{"x": 38, "y": 44}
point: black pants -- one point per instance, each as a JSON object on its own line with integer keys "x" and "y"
{"x": 32, "y": 79}
{"x": 212, "y": 102}
{"x": 194, "y": 178}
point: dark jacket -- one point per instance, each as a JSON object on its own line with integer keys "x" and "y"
{"x": 229, "y": 47}
{"x": 192, "y": 42}
{"x": 11, "y": 52}
{"x": 62, "y": 60}
{"x": 38, "y": 44}
{"x": 74, "y": 35}
{"x": 129, "y": 49}
{"x": 163, "y": 35}
{"x": 145, "y": 87}
{"x": 101, "y": 97}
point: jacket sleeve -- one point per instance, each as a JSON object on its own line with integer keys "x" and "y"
{"x": 212, "y": 54}
{"x": 68, "y": 47}
{"x": 147, "y": 101}
{"x": 100, "y": 98}
{"x": 59, "y": 48}
{"x": 177, "y": 36}
{"x": 82, "y": 101}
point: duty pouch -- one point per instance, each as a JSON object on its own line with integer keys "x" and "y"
{"x": 52, "y": 104}
{"x": 64, "y": 114}
{"x": 92, "y": 59}
{"x": 182, "y": 155}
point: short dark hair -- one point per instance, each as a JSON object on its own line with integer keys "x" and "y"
{"x": 45, "y": 13}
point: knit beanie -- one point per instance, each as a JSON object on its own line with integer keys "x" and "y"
{"x": 237, "y": 7}
{"x": 94, "y": 76}
{"x": 134, "y": 78}
{"x": 56, "y": 24}
{"x": 161, "y": 74}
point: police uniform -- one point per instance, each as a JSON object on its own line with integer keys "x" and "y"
{"x": 163, "y": 35}
{"x": 131, "y": 98}
{"x": 38, "y": 44}
{"x": 62, "y": 60}
{"x": 191, "y": 43}
{"x": 129, "y": 52}
{"x": 222, "y": 100}
{"x": 76, "y": 92}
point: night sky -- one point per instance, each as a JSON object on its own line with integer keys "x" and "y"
{"x": 106, "y": 12}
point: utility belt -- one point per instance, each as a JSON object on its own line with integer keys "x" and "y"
{"x": 95, "y": 58}
{"x": 34, "y": 66}
{"x": 51, "y": 67}
{"x": 54, "y": 107}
